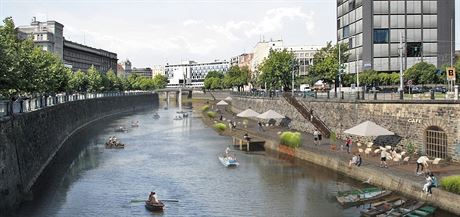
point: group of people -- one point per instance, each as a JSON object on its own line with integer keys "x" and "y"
{"x": 431, "y": 182}
{"x": 229, "y": 154}
{"x": 355, "y": 160}
{"x": 113, "y": 143}
{"x": 317, "y": 137}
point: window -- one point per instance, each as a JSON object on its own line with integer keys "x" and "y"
{"x": 430, "y": 49}
{"x": 351, "y": 5}
{"x": 381, "y": 36}
{"x": 430, "y": 7}
{"x": 397, "y": 21}
{"x": 346, "y": 32}
{"x": 397, "y": 7}
{"x": 380, "y": 50}
{"x": 381, "y": 21}
{"x": 380, "y": 7}
{"x": 414, "y": 21}
{"x": 350, "y": 43}
{"x": 430, "y": 21}
{"x": 414, "y": 7}
{"x": 430, "y": 35}
{"x": 414, "y": 49}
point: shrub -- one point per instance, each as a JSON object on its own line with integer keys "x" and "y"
{"x": 291, "y": 139}
{"x": 211, "y": 114}
{"x": 333, "y": 137}
{"x": 205, "y": 108}
{"x": 410, "y": 148}
{"x": 221, "y": 127}
{"x": 451, "y": 184}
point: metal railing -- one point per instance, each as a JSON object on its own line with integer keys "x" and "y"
{"x": 23, "y": 105}
{"x": 428, "y": 97}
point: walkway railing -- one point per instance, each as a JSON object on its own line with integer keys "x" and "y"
{"x": 23, "y": 105}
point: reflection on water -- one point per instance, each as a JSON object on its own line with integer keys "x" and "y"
{"x": 178, "y": 160}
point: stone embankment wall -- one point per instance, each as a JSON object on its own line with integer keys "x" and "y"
{"x": 443, "y": 199}
{"x": 408, "y": 119}
{"x": 29, "y": 141}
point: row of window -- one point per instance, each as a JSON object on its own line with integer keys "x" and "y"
{"x": 411, "y": 49}
{"x": 350, "y": 17}
{"x": 393, "y": 63}
{"x": 347, "y": 6}
{"x": 399, "y": 21}
{"x": 400, "y": 7}
{"x": 384, "y": 36}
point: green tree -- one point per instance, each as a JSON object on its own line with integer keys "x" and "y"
{"x": 112, "y": 81}
{"x": 160, "y": 81}
{"x": 79, "y": 81}
{"x": 94, "y": 79}
{"x": 216, "y": 83}
{"x": 133, "y": 81}
{"x": 146, "y": 83}
{"x": 276, "y": 69}
{"x": 422, "y": 73}
{"x": 214, "y": 74}
{"x": 327, "y": 62}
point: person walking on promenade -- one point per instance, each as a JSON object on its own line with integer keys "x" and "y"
{"x": 434, "y": 183}
{"x": 261, "y": 129}
{"x": 348, "y": 144}
{"x": 359, "y": 161}
{"x": 316, "y": 136}
{"x": 423, "y": 163}
{"x": 383, "y": 158}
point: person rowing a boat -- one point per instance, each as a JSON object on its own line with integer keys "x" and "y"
{"x": 153, "y": 198}
{"x": 227, "y": 152}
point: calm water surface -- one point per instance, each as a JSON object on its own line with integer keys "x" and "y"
{"x": 178, "y": 160}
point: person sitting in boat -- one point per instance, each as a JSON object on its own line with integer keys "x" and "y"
{"x": 153, "y": 198}
{"x": 227, "y": 152}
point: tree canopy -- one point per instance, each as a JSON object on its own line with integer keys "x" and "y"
{"x": 276, "y": 70}
{"x": 326, "y": 62}
{"x": 423, "y": 73}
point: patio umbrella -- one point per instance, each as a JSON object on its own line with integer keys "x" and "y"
{"x": 222, "y": 102}
{"x": 248, "y": 113}
{"x": 270, "y": 114}
{"x": 228, "y": 98}
{"x": 368, "y": 128}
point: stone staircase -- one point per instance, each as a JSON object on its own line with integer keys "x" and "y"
{"x": 308, "y": 114}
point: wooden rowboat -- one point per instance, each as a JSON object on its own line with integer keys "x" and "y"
{"x": 408, "y": 207}
{"x": 384, "y": 206}
{"x": 424, "y": 211}
{"x": 154, "y": 207}
{"x": 361, "y": 196}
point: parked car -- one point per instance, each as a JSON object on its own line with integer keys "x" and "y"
{"x": 440, "y": 89}
{"x": 417, "y": 89}
{"x": 374, "y": 88}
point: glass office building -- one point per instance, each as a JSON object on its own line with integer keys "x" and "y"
{"x": 373, "y": 30}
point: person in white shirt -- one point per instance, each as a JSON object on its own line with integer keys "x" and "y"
{"x": 429, "y": 181}
{"x": 423, "y": 163}
{"x": 383, "y": 158}
{"x": 316, "y": 136}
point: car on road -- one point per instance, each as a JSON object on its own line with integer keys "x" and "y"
{"x": 440, "y": 89}
{"x": 417, "y": 89}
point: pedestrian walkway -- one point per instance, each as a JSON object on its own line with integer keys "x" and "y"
{"x": 399, "y": 169}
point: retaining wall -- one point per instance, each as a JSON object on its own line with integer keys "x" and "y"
{"x": 29, "y": 141}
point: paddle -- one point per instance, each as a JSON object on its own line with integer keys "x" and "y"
{"x": 165, "y": 200}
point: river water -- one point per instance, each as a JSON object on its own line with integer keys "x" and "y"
{"x": 178, "y": 160}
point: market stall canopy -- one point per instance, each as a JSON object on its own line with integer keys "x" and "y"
{"x": 222, "y": 102}
{"x": 368, "y": 128}
{"x": 248, "y": 113}
{"x": 270, "y": 114}
{"x": 228, "y": 98}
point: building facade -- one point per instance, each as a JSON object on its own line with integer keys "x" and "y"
{"x": 242, "y": 60}
{"x": 158, "y": 70}
{"x": 262, "y": 50}
{"x": 375, "y": 29}
{"x": 304, "y": 56}
{"x": 49, "y": 36}
{"x": 82, "y": 57}
{"x": 191, "y": 73}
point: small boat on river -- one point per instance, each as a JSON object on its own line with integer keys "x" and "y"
{"x": 114, "y": 146}
{"x": 228, "y": 161}
{"x": 361, "y": 196}
{"x": 384, "y": 206}
{"x": 424, "y": 211}
{"x": 177, "y": 118}
{"x": 403, "y": 210}
{"x": 154, "y": 207}
{"x": 121, "y": 129}
{"x": 156, "y": 116}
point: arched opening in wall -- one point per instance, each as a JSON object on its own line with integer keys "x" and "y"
{"x": 436, "y": 142}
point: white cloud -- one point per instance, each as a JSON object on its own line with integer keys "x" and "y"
{"x": 192, "y": 22}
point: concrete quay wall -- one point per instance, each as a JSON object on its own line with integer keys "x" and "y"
{"x": 443, "y": 199}
{"x": 29, "y": 141}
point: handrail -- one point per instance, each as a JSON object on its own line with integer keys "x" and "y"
{"x": 23, "y": 105}
{"x": 318, "y": 123}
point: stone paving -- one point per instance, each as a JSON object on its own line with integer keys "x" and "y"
{"x": 402, "y": 170}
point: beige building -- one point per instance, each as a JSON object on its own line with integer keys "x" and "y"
{"x": 158, "y": 70}
{"x": 262, "y": 50}
{"x": 304, "y": 56}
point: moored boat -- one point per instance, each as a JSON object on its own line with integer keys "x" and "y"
{"x": 408, "y": 207}
{"x": 121, "y": 129}
{"x": 114, "y": 146}
{"x": 384, "y": 206}
{"x": 423, "y": 211}
{"x": 154, "y": 207}
{"x": 156, "y": 116}
{"x": 228, "y": 161}
{"x": 361, "y": 196}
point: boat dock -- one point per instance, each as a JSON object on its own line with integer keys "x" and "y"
{"x": 252, "y": 145}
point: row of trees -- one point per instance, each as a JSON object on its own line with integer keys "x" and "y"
{"x": 235, "y": 77}
{"x": 26, "y": 69}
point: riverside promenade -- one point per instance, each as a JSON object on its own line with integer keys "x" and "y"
{"x": 398, "y": 177}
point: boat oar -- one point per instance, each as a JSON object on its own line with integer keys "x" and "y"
{"x": 165, "y": 200}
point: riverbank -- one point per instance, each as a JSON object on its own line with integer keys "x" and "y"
{"x": 399, "y": 178}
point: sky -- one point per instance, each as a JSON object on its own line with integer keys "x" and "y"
{"x": 156, "y": 32}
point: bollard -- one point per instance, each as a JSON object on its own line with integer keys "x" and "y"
{"x": 335, "y": 94}
{"x": 328, "y": 95}
{"x": 342, "y": 95}
{"x": 456, "y": 92}
{"x": 375, "y": 95}
{"x": 357, "y": 95}
{"x": 432, "y": 94}
{"x": 316, "y": 94}
{"x": 362, "y": 96}
{"x": 401, "y": 95}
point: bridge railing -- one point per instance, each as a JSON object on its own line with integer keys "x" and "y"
{"x": 30, "y": 104}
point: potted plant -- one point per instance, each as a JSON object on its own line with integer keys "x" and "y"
{"x": 333, "y": 138}
{"x": 289, "y": 141}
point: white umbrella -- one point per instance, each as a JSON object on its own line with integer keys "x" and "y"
{"x": 228, "y": 98}
{"x": 222, "y": 102}
{"x": 248, "y": 113}
{"x": 270, "y": 114}
{"x": 368, "y": 128}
